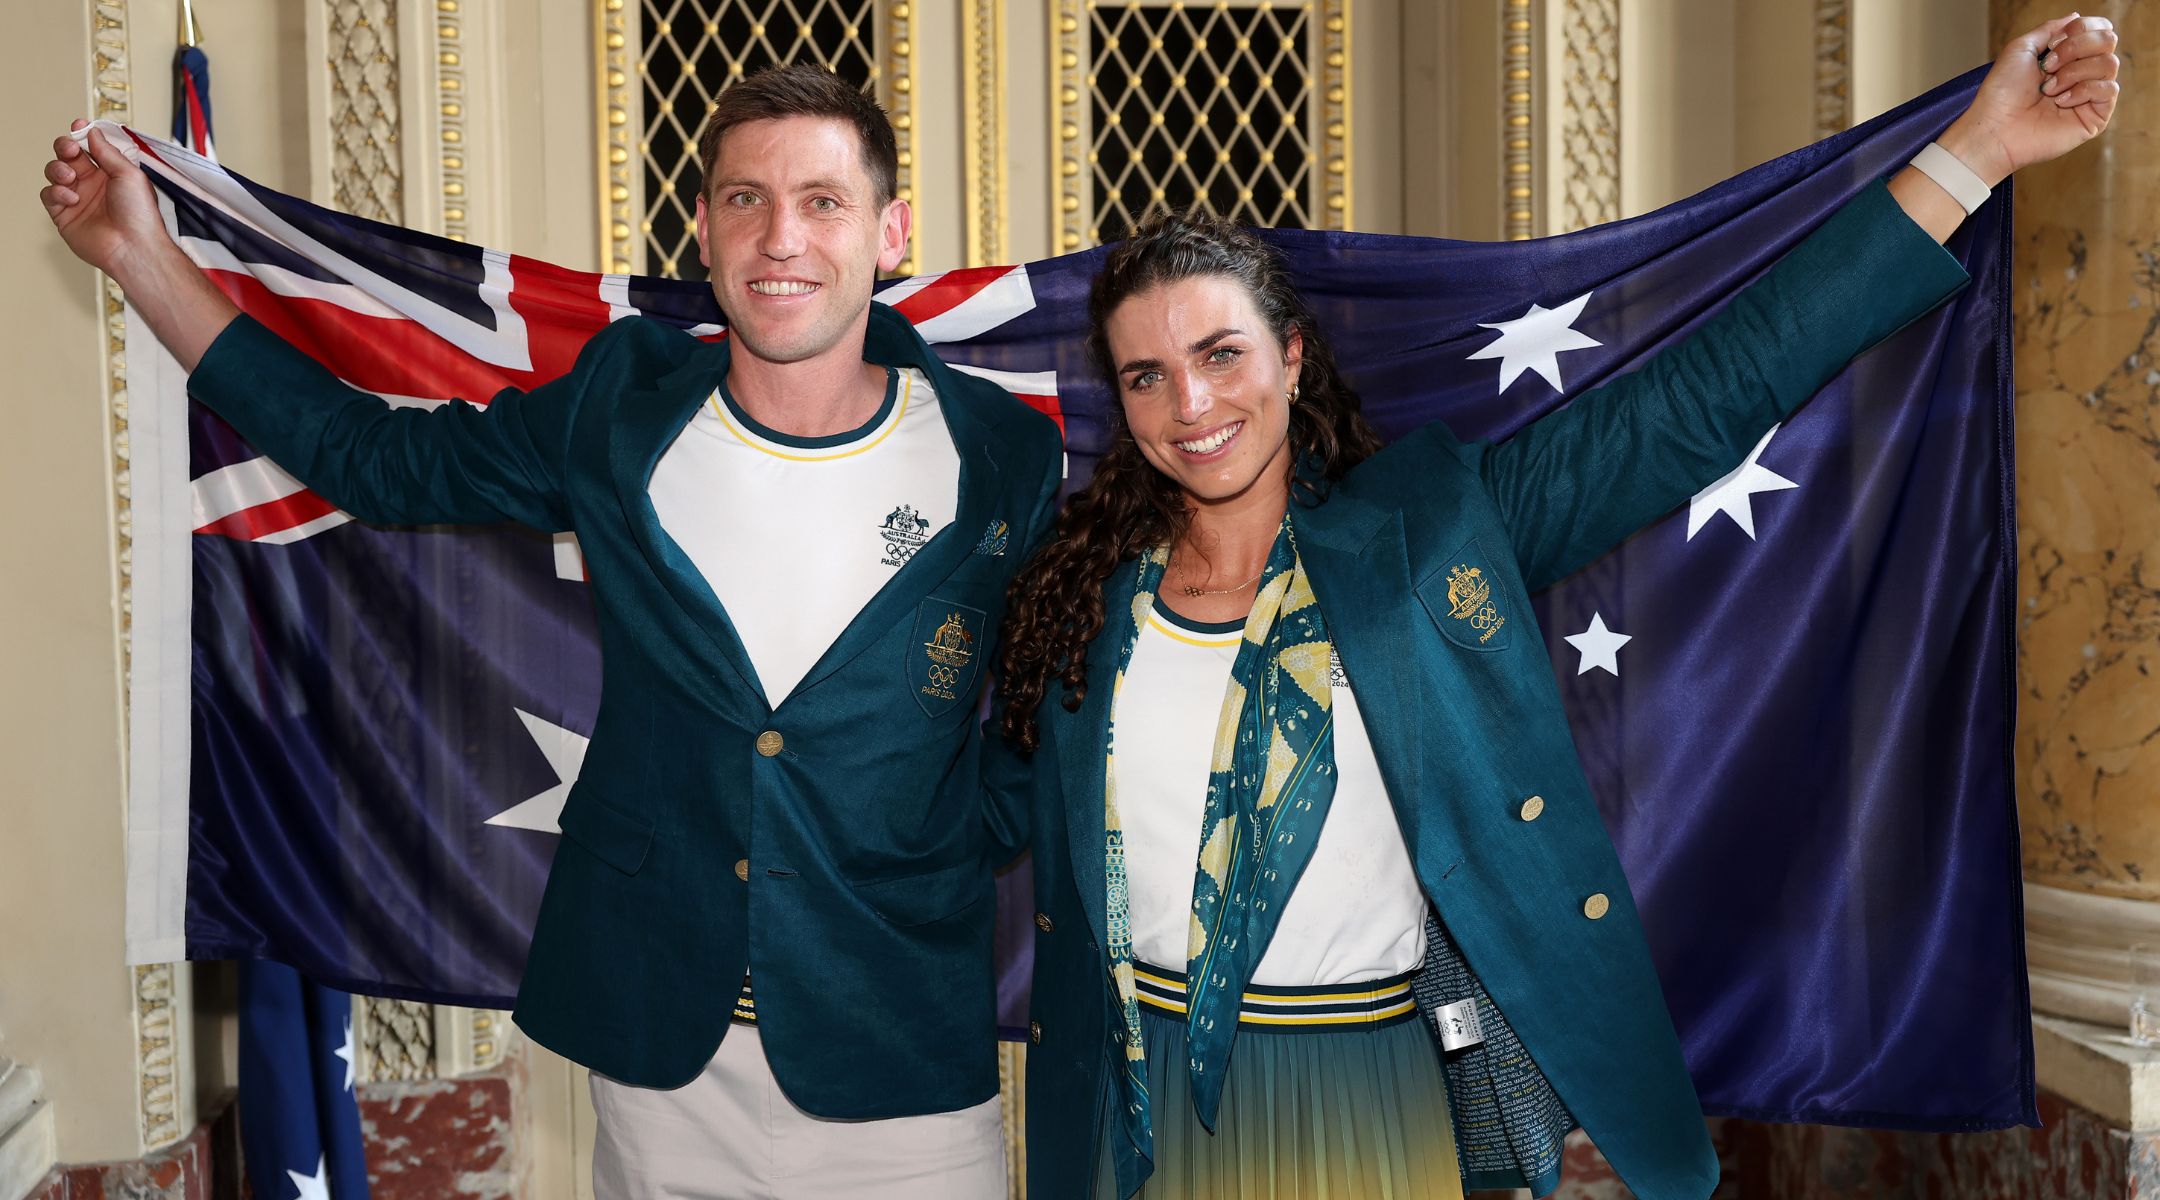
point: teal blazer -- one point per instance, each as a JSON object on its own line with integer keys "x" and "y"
{"x": 863, "y": 904}
{"x": 1466, "y": 729}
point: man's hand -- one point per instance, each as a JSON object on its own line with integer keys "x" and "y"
{"x": 101, "y": 203}
{"x": 2051, "y": 90}
{"x": 106, "y": 212}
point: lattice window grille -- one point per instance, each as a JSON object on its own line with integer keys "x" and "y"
{"x": 690, "y": 50}
{"x": 1239, "y": 108}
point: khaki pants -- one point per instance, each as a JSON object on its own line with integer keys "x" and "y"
{"x": 731, "y": 1134}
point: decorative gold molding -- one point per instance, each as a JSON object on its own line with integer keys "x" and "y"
{"x": 1069, "y": 123}
{"x": 1335, "y": 112}
{"x": 157, "y": 1045}
{"x": 898, "y": 74}
{"x": 611, "y": 78}
{"x": 395, "y": 1039}
{"x": 1012, "y": 1091}
{"x": 1518, "y": 126}
{"x": 450, "y": 102}
{"x": 1833, "y": 67}
{"x": 1324, "y": 139}
{"x": 1590, "y": 112}
{"x": 367, "y": 171}
{"x": 982, "y": 115}
{"x": 113, "y": 102}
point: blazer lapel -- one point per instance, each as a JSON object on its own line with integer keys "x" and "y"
{"x": 893, "y": 342}
{"x": 1354, "y": 553}
{"x": 645, "y": 424}
{"x": 1083, "y": 746}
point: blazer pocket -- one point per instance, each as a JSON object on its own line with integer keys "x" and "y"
{"x": 931, "y": 896}
{"x": 944, "y": 654}
{"x": 613, "y": 836}
{"x": 1468, "y": 600}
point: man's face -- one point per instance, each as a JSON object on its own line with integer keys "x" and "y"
{"x": 792, "y": 231}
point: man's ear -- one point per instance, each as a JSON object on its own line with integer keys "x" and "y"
{"x": 893, "y": 238}
{"x": 704, "y": 254}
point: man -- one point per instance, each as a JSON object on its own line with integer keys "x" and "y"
{"x": 798, "y": 540}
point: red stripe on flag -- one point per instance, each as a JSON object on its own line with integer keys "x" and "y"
{"x": 1047, "y": 406}
{"x": 198, "y": 129}
{"x": 276, "y": 516}
{"x": 404, "y": 358}
{"x": 952, "y": 289}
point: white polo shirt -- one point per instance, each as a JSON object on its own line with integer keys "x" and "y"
{"x": 1357, "y": 914}
{"x": 796, "y": 534}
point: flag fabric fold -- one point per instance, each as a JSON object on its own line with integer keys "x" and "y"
{"x": 299, "y": 1115}
{"x": 1793, "y": 699}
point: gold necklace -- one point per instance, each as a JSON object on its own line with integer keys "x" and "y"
{"x": 1190, "y": 590}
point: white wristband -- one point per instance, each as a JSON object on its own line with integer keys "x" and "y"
{"x": 1947, "y": 170}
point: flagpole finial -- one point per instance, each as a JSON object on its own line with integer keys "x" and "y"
{"x": 190, "y": 31}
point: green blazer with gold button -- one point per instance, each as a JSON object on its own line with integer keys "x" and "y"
{"x": 1467, "y": 727}
{"x": 835, "y": 848}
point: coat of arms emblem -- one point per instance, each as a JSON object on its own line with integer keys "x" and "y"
{"x": 905, "y": 531}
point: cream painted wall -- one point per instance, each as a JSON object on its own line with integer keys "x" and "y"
{"x": 1708, "y": 88}
{"x": 66, "y": 1003}
{"x": 1901, "y": 48}
{"x": 1677, "y": 82}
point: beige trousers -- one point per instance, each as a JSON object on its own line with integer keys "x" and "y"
{"x": 731, "y": 1134}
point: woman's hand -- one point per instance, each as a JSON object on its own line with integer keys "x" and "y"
{"x": 2050, "y": 91}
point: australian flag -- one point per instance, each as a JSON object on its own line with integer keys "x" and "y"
{"x": 1793, "y": 697}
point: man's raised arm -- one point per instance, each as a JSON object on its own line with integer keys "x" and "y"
{"x": 452, "y": 463}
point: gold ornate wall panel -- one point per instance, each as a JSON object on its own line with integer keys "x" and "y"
{"x": 395, "y": 1039}
{"x": 366, "y": 165}
{"x": 982, "y": 114}
{"x": 661, "y": 63}
{"x": 112, "y": 102}
{"x": 1589, "y": 117}
{"x": 1833, "y": 66}
{"x": 1242, "y": 108}
{"x": 1518, "y": 120}
{"x": 159, "y": 1043}
{"x": 450, "y": 116}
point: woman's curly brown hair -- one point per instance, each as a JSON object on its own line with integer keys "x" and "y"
{"x": 1055, "y": 604}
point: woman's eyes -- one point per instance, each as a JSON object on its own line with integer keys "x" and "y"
{"x": 1220, "y": 356}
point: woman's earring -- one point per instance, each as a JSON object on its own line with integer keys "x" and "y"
{"x": 1292, "y": 394}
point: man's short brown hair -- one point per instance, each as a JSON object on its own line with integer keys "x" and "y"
{"x": 804, "y": 90}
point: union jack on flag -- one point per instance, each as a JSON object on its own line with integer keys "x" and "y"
{"x": 1792, "y": 703}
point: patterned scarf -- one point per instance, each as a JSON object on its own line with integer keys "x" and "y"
{"x": 1270, "y": 783}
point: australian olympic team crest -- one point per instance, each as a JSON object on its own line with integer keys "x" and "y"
{"x": 905, "y": 531}
{"x": 1464, "y": 598}
{"x": 944, "y": 656}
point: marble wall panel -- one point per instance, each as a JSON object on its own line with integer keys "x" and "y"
{"x": 2087, "y": 345}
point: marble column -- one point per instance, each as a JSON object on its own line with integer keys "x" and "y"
{"x": 2087, "y": 322}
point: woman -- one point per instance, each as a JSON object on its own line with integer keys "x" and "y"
{"x": 1330, "y": 695}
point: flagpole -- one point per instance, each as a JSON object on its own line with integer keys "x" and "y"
{"x": 190, "y": 31}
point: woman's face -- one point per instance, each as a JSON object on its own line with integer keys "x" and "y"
{"x": 1204, "y": 386}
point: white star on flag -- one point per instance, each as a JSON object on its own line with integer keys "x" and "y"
{"x": 1535, "y": 340}
{"x": 565, "y": 751}
{"x": 1730, "y": 494}
{"x": 345, "y": 1052}
{"x": 1600, "y": 646}
{"x": 316, "y": 1188}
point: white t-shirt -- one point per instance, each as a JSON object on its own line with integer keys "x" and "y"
{"x": 795, "y": 534}
{"x": 1357, "y": 913}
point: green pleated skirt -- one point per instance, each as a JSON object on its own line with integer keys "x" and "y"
{"x": 1353, "y": 1114}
